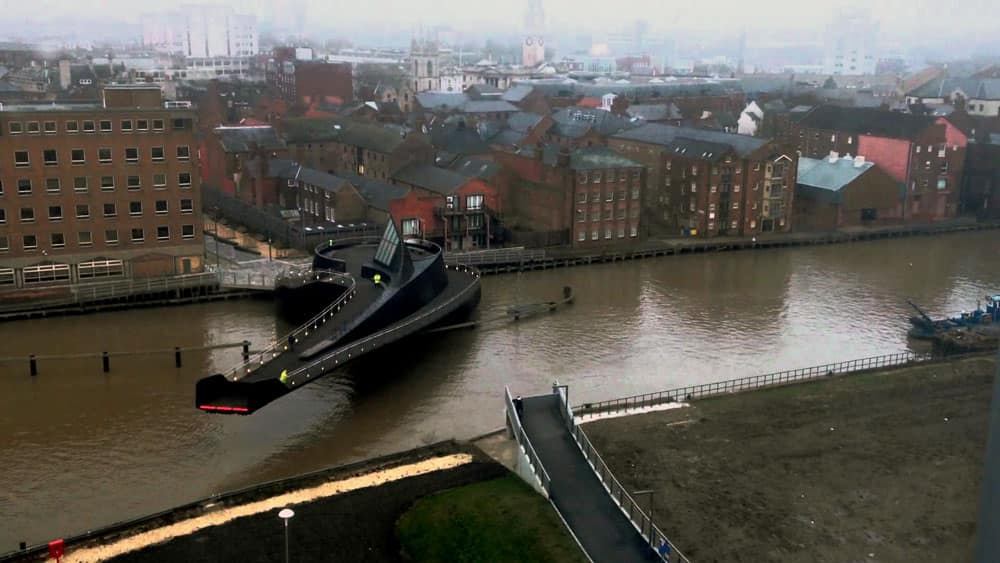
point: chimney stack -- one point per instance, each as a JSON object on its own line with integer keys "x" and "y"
{"x": 834, "y": 156}
{"x": 859, "y": 161}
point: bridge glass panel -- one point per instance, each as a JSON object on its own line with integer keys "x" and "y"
{"x": 388, "y": 246}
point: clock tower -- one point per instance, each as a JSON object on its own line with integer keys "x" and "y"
{"x": 533, "y": 48}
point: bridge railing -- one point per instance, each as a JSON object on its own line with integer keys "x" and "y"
{"x": 521, "y": 437}
{"x": 281, "y": 344}
{"x": 644, "y": 400}
{"x": 372, "y": 341}
{"x": 92, "y": 291}
{"x": 642, "y": 521}
{"x": 514, "y": 255}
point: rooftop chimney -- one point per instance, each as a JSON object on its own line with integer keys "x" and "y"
{"x": 859, "y": 161}
{"x": 834, "y": 155}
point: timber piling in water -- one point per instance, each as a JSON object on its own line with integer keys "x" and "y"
{"x": 565, "y": 258}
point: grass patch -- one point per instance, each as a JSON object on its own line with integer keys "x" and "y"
{"x": 493, "y": 521}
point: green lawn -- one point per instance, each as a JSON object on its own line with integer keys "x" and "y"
{"x": 494, "y": 521}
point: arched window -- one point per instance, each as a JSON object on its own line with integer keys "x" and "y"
{"x": 416, "y": 68}
{"x": 430, "y": 68}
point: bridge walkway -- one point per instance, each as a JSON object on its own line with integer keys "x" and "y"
{"x": 602, "y": 528}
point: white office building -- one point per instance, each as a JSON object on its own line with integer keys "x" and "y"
{"x": 201, "y": 31}
{"x": 851, "y": 45}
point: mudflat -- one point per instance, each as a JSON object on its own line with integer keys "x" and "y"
{"x": 883, "y": 466}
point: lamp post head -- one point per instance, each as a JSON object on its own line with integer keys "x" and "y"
{"x": 286, "y": 513}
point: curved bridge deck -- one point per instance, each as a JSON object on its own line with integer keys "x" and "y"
{"x": 460, "y": 282}
{"x": 332, "y": 338}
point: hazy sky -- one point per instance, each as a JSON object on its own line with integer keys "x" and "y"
{"x": 973, "y": 21}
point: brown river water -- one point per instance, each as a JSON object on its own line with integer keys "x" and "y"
{"x": 80, "y": 449}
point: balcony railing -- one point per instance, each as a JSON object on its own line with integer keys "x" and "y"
{"x": 456, "y": 209}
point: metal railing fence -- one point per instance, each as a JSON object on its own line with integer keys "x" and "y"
{"x": 370, "y": 342}
{"x": 514, "y": 423}
{"x": 703, "y": 390}
{"x": 281, "y": 344}
{"x": 515, "y": 255}
{"x": 642, "y": 521}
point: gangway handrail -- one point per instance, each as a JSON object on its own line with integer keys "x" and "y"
{"x": 522, "y": 438}
{"x": 281, "y": 344}
{"x": 643, "y": 523}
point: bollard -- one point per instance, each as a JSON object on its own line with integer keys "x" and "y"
{"x": 33, "y": 364}
{"x": 177, "y": 356}
{"x": 246, "y": 351}
{"x": 105, "y": 362}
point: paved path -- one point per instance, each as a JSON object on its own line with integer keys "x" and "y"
{"x": 604, "y": 531}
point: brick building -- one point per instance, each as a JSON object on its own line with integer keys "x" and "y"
{"x": 592, "y": 194}
{"x": 709, "y": 183}
{"x": 925, "y": 153}
{"x": 840, "y": 192}
{"x": 98, "y": 190}
{"x": 456, "y": 210}
{"x": 307, "y": 82}
{"x": 235, "y": 158}
{"x": 340, "y": 146}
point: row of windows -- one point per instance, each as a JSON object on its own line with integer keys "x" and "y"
{"x": 55, "y": 212}
{"x": 50, "y": 157}
{"x": 74, "y": 126}
{"x": 608, "y": 232}
{"x": 609, "y": 195}
{"x": 86, "y": 238}
{"x": 81, "y": 184}
{"x": 98, "y": 268}
{"x": 597, "y": 176}
{"x": 608, "y": 215}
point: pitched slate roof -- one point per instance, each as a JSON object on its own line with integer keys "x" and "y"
{"x": 588, "y": 158}
{"x": 327, "y": 182}
{"x": 376, "y": 193}
{"x": 575, "y": 121}
{"x": 457, "y": 137}
{"x": 654, "y": 112}
{"x": 488, "y": 106}
{"x": 664, "y": 135}
{"x": 517, "y": 93}
{"x": 867, "y": 121}
{"x": 441, "y": 100}
{"x": 240, "y": 139}
{"x": 980, "y": 89}
{"x": 477, "y": 168}
{"x": 431, "y": 178}
{"x": 833, "y": 176}
{"x": 702, "y": 150}
{"x": 523, "y": 121}
{"x": 373, "y": 136}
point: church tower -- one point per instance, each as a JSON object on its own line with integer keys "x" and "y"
{"x": 533, "y": 48}
{"x": 425, "y": 64}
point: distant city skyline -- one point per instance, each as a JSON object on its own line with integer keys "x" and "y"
{"x": 771, "y": 23}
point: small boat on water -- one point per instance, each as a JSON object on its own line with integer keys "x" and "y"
{"x": 924, "y": 327}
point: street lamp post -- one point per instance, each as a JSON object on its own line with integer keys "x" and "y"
{"x": 269, "y": 240}
{"x": 286, "y": 515}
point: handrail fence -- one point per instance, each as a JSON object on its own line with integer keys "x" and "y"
{"x": 359, "y": 346}
{"x": 643, "y": 522}
{"x": 281, "y": 344}
{"x": 704, "y": 390}
{"x": 516, "y": 428}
